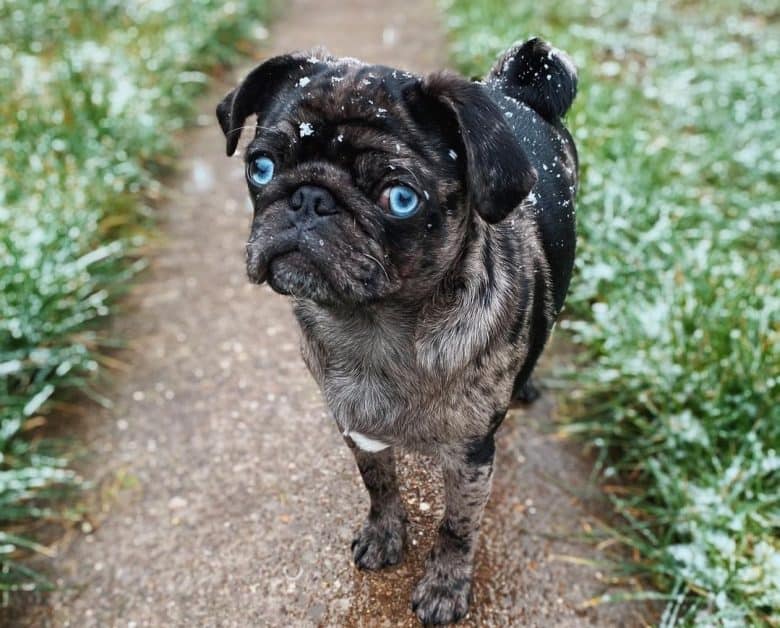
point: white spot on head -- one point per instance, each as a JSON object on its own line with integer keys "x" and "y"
{"x": 305, "y": 129}
{"x": 340, "y": 138}
{"x": 453, "y": 155}
{"x": 304, "y": 81}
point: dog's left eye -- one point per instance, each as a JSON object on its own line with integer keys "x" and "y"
{"x": 260, "y": 171}
{"x": 401, "y": 200}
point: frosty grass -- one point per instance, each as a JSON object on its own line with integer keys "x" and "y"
{"x": 90, "y": 92}
{"x": 676, "y": 299}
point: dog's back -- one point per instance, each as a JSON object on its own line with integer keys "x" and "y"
{"x": 535, "y": 84}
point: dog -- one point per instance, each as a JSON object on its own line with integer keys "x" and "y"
{"x": 425, "y": 230}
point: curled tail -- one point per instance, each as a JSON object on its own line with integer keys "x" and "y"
{"x": 542, "y": 77}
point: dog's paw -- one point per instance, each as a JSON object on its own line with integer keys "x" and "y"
{"x": 441, "y": 597}
{"x": 379, "y": 544}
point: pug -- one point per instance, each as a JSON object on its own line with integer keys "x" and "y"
{"x": 424, "y": 228}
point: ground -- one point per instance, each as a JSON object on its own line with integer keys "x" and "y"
{"x": 226, "y": 495}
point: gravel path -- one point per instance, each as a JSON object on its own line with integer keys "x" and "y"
{"x": 227, "y": 497}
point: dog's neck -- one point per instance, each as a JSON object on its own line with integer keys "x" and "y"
{"x": 441, "y": 332}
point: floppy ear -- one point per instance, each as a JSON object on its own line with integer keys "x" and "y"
{"x": 256, "y": 93}
{"x": 498, "y": 172}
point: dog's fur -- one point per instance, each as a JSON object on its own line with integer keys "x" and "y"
{"x": 419, "y": 330}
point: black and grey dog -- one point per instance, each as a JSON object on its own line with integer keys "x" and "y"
{"x": 424, "y": 227}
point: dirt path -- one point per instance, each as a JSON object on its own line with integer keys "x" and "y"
{"x": 228, "y": 498}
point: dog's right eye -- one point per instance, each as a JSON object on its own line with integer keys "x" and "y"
{"x": 400, "y": 200}
{"x": 260, "y": 171}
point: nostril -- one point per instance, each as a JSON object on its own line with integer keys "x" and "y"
{"x": 324, "y": 203}
{"x": 297, "y": 199}
{"x": 313, "y": 199}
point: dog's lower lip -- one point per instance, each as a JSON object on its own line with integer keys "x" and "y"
{"x": 259, "y": 257}
{"x": 259, "y": 274}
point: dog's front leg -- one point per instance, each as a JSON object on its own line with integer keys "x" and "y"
{"x": 442, "y": 595}
{"x": 381, "y": 540}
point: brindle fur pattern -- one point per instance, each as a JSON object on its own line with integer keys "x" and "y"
{"x": 417, "y": 330}
{"x": 381, "y": 540}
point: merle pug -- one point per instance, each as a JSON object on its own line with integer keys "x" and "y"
{"x": 424, "y": 227}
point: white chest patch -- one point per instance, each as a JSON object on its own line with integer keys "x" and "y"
{"x": 365, "y": 443}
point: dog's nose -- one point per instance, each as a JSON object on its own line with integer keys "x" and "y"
{"x": 313, "y": 199}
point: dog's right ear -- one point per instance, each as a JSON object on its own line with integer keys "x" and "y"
{"x": 498, "y": 171}
{"x": 256, "y": 93}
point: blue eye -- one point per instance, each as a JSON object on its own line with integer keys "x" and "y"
{"x": 260, "y": 171}
{"x": 402, "y": 200}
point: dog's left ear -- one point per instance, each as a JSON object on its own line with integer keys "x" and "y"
{"x": 260, "y": 88}
{"x": 498, "y": 171}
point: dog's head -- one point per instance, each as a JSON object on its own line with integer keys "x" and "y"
{"x": 365, "y": 179}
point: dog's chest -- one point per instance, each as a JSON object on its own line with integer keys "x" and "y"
{"x": 366, "y": 369}
{"x": 379, "y": 393}
{"x": 368, "y": 376}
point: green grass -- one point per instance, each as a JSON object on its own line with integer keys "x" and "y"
{"x": 91, "y": 92}
{"x": 676, "y": 298}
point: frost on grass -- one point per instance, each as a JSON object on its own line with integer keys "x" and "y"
{"x": 90, "y": 111}
{"x": 676, "y": 300}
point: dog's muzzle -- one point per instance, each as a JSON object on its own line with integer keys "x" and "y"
{"x": 309, "y": 206}
{"x": 310, "y": 202}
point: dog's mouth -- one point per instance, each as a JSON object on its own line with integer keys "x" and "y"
{"x": 310, "y": 264}
{"x": 259, "y": 256}
{"x": 284, "y": 262}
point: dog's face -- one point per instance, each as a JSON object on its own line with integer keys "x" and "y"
{"x": 364, "y": 179}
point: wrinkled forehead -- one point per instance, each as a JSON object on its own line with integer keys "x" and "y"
{"x": 354, "y": 90}
{"x": 359, "y": 116}
{"x": 329, "y": 94}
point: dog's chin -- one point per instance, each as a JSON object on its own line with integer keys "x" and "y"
{"x": 292, "y": 271}
{"x": 292, "y": 274}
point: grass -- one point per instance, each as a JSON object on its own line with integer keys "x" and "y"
{"x": 676, "y": 300}
{"x": 89, "y": 106}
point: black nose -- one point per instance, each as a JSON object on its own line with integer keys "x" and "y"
{"x": 313, "y": 200}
